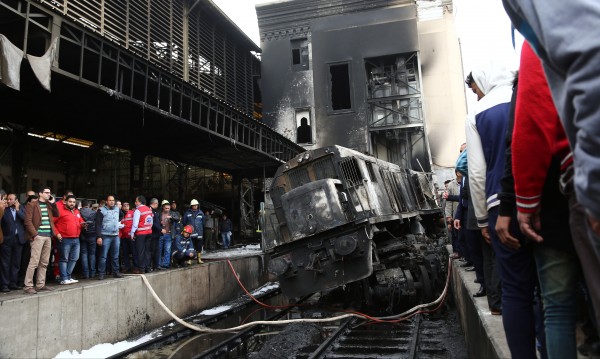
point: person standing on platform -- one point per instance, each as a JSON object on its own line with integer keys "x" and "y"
{"x": 11, "y": 249}
{"x": 225, "y": 228}
{"x": 107, "y": 236}
{"x": 88, "y": 241}
{"x": 127, "y": 244}
{"x": 55, "y": 250}
{"x": 174, "y": 208}
{"x": 141, "y": 230}
{"x": 451, "y": 195}
{"x": 486, "y": 146}
{"x": 167, "y": 219}
{"x": 209, "y": 230}
{"x": 68, "y": 229}
{"x": 39, "y": 227}
{"x": 195, "y": 217}
{"x": 154, "y": 254}
{"x": 3, "y": 205}
{"x": 31, "y": 197}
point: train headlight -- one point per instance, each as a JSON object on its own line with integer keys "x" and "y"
{"x": 345, "y": 245}
{"x": 279, "y": 266}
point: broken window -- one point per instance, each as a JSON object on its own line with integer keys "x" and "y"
{"x": 339, "y": 75}
{"x": 300, "y": 54}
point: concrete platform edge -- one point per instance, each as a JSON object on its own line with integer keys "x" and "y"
{"x": 44, "y": 325}
{"x": 484, "y": 332}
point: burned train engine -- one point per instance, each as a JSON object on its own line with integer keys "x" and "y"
{"x": 342, "y": 218}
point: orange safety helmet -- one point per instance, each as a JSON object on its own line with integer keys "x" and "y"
{"x": 188, "y": 229}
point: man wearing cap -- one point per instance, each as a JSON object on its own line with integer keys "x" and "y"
{"x": 166, "y": 219}
{"x": 195, "y": 217}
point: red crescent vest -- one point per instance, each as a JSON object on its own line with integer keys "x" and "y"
{"x": 146, "y": 219}
{"x": 128, "y": 223}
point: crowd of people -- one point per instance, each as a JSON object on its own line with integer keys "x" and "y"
{"x": 106, "y": 238}
{"x": 520, "y": 210}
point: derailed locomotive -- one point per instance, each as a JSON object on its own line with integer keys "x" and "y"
{"x": 343, "y": 218}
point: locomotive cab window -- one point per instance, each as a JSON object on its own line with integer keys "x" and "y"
{"x": 351, "y": 171}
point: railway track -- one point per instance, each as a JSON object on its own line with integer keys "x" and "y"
{"x": 174, "y": 333}
{"x": 422, "y": 336}
{"x": 417, "y": 338}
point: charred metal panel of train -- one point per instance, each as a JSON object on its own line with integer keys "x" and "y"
{"x": 323, "y": 262}
{"x": 339, "y": 46}
{"x": 333, "y": 204}
{"x": 313, "y": 208}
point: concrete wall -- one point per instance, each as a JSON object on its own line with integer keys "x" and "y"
{"x": 78, "y": 318}
{"x": 444, "y": 100}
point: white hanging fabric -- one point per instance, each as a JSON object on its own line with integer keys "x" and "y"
{"x": 10, "y": 63}
{"x": 41, "y": 65}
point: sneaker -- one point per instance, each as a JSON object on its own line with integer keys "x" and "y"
{"x": 65, "y": 282}
{"x": 117, "y": 275}
{"x": 73, "y": 281}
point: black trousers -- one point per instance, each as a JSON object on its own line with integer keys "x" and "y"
{"x": 10, "y": 260}
{"x": 142, "y": 249}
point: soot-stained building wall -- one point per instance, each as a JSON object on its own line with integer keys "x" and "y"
{"x": 317, "y": 75}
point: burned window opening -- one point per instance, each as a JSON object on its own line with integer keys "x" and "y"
{"x": 299, "y": 54}
{"x": 295, "y": 56}
{"x": 340, "y": 87}
{"x": 304, "y": 126}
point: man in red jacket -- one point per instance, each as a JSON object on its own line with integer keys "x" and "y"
{"x": 127, "y": 244}
{"x": 68, "y": 228}
{"x": 540, "y": 154}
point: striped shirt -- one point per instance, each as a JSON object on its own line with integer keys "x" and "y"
{"x": 45, "y": 230}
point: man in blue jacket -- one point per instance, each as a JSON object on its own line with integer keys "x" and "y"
{"x": 195, "y": 217}
{"x": 184, "y": 247}
{"x": 485, "y": 129}
{"x": 107, "y": 236}
{"x": 12, "y": 247}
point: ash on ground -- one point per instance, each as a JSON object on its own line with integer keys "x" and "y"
{"x": 291, "y": 339}
{"x": 453, "y": 336}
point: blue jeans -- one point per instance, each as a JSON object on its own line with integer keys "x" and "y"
{"x": 559, "y": 276}
{"x": 69, "y": 254}
{"x": 88, "y": 256}
{"x": 226, "y": 237}
{"x": 109, "y": 243}
{"x": 164, "y": 250}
